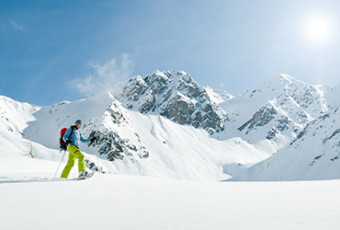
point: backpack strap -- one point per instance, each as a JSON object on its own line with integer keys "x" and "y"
{"x": 72, "y": 130}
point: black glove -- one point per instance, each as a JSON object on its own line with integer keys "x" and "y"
{"x": 68, "y": 142}
{"x": 93, "y": 139}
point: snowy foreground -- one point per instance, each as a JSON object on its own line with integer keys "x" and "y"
{"x": 31, "y": 200}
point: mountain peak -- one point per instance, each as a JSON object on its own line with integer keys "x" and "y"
{"x": 166, "y": 76}
{"x": 281, "y": 111}
{"x": 175, "y": 95}
{"x": 283, "y": 80}
{"x": 286, "y": 77}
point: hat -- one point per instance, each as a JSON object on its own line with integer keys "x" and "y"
{"x": 78, "y": 122}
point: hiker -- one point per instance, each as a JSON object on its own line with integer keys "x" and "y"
{"x": 73, "y": 138}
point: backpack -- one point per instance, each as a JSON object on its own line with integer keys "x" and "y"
{"x": 62, "y": 143}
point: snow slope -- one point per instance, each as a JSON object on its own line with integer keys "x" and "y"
{"x": 16, "y": 147}
{"x": 171, "y": 150}
{"x": 129, "y": 202}
{"x": 15, "y": 115}
{"x": 274, "y": 112}
{"x": 312, "y": 155}
{"x": 166, "y": 125}
{"x": 14, "y": 118}
{"x": 298, "y": 120}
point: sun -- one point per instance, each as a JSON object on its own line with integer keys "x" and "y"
{"x": 318, "y": 29}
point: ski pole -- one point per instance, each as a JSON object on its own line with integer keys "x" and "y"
{"x": 59, "y": 165}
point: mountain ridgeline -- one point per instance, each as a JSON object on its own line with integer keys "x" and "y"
{"x": 174, "y": 95}
{"x": 166, "y": 124}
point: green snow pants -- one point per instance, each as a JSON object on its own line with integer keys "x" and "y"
{"x": 74, "y": 153}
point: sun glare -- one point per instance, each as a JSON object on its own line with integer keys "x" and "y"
{"x": 318, "y": 29}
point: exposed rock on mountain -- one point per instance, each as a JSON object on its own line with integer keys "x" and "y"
{"x": 165, "y": 124}
{"x": 176, "y": 96}
{"x": 276, "y": 111}
{"x": 312, "y": 155}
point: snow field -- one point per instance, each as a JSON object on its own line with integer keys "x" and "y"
{"x": 130, "y": 202}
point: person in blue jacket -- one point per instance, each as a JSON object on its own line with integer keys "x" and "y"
{"x": 74, "y": 152}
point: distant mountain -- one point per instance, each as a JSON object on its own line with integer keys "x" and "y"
{"x": 275, "y": 112}
{"x": 313, "y": 154}
{"x": 143, "y": 143}
{"x": 165, "y": 124}
{"x": 15, "y": 115}
{"x": 177, "y": 96}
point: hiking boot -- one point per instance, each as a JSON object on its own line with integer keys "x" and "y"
{"x": 83, "y": 175}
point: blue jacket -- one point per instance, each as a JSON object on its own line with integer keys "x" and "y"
{"x": 75, "y": 137}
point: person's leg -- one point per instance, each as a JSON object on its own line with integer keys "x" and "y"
{"x": 81, "y": 160}
{"x": 70, "y": 163}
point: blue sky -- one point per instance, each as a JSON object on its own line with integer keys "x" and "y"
{"x": 65, "y": 50}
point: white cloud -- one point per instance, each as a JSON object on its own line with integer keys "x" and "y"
{"x": 104, "y": 77}
{"x": 15, "y": 25}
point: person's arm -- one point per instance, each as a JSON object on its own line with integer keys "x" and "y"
{"x": 84, "y": 140}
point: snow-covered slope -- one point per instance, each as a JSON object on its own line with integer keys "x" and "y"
{"x": 274, "y": 113}
{"x": 141, "y": 144}
{"x": 144, "y": 203}
{"x": 166, "y": 125}
{"x": 313, "y": 154}
{"x": 15, "y": 115}
{"x": 14, "y": 145}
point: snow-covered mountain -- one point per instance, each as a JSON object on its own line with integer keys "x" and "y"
{"x": 14, "y": 117}
{"x": 140, "y": 144}
{"x": 166, "y": 125}
{"x": 174, "y": 95}
{"x": 313, "y": 154}
{"x": 274, "y": 113}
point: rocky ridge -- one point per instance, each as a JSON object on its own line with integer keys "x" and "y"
{"x": 279, "y": 109}
{"x": 276, "y": 117}
{"x": 174, "y": 95}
